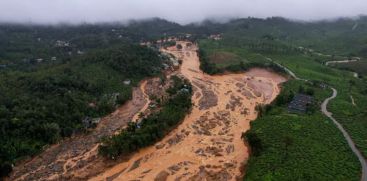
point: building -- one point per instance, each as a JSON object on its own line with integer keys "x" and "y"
{"x": 60, "y": 43}
{"x": 175, "y": 63}
{"x": 323, "y": 85}
{"x": 90, "y": 122}
{"x": 127, "y": 82}
{"x": 79, "y": 52}
{"x": 300, "y": 103}
{"x": 215, "y": 37}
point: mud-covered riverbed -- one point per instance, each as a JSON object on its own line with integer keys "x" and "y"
{"x": 207, "y": 145}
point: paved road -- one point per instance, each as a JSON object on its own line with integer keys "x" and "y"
{"x": 346, "y": 135}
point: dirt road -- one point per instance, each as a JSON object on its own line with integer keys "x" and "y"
{"x": 351, "y": 144}
{"x": 207, "y": 145}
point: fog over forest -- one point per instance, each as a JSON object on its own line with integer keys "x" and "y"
{"x": 95, "y": 11}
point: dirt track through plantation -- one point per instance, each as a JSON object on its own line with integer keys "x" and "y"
{"x": 207, "y": 145}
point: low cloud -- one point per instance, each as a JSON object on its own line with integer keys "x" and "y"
{"x": 181, "y": 11}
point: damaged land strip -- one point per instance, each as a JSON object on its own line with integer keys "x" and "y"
{"x": 207, "y": 145}
{"x": 152, "y": 128}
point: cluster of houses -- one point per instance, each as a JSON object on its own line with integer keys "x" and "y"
{"x": 160, "y": 42}
{"x": 215, "y": 37}
{"x": 60, "y": 43}
{"x": 169, "y": 39}
{"x": 172, "y": 63}
{"x": 116, "y": 32}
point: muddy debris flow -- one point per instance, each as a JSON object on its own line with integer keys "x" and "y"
{"x": 207, "y": 145}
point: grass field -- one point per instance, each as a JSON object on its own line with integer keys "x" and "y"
{"x": 214, "y": 47}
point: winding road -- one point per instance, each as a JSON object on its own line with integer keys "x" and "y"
{"x": 355, "y": 74}
{"x": 345, "y": 134}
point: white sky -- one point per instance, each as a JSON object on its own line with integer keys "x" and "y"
{"x": 181, "y": 11}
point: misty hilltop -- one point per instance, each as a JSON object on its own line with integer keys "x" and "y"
{"x": 183, "y": 12}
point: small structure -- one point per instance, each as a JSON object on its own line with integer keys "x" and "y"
{"x": 92, "y": 105}
{"x": 152, "y": 105}
{"x": 175, "y": 63}
{"x": 215, "y": 37}
{"x": 60, "y": 43}
{"x": 53, "y": 58}
{"x": 323, "y": 85}
{"x": 127, "y": 82}
{"x": 146, "y": 43}
{"x": 39, "y": 60}
{"x": 90, "y": 122}
{"x": 2, "y": 66}
{"x": 300, "y": 103}
{"x": 80, "y": 52}
{"x": 165, "y": 66}
{"x": 185, "y": 90}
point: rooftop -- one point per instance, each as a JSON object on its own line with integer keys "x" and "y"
{"x": 299, "y": 103}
